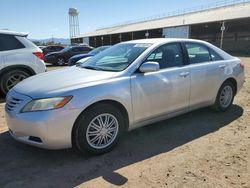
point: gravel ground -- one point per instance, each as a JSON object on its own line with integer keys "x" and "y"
{"x": 198, "y": 149}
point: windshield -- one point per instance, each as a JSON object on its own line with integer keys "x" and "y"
{"x": 116, "y": 58}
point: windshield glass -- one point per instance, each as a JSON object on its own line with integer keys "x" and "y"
{"x": 116, "y": 58}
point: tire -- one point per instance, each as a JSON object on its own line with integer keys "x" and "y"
{"x": 60, "y": 61}
{"x": 84, "y": 127}
{"x": 222, "y": 104}
{"x": 11, "y": 78}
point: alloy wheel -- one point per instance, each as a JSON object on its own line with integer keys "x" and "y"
{"x": 15, "y": 79}
{"x": 60, "y": 61}
{"x": 226, "y": 96}
{"x": 102, "y": 131}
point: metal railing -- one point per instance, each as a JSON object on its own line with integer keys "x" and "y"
{"x": 210, "y": 6}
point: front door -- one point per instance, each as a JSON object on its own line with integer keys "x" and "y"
{"x": 165, "y": 91}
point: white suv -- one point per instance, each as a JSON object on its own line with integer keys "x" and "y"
{"x": 19, "y": 59}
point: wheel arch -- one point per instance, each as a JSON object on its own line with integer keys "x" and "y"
{"x": 233, "y": 81}
{"x": 17, "y": 67}
{"x": 115, "y": 103}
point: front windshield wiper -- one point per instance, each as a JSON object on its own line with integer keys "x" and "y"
{"x": 99, "y": 68}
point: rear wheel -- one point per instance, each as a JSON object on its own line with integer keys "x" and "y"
{"x": 98, "y": 130}
{"x": 225, "y": 97}
{"x": 11, "y": 78}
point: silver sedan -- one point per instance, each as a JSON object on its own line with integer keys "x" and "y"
{"x": 131, "y": 84}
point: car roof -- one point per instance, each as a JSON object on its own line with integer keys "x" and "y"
{"x": 54, "y": 46}
{"x": 163, "y": 40}
{"x": 8, "y": 32}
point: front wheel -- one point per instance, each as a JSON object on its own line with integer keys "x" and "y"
{"x": 98, "y": 129}
{"x": 11, "y": 78}
{"x": 60, "y": 61}
{"x": 225, "y": 97}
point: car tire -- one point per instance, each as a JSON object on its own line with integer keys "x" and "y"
{"x": 88, "y": 127}
{"x": 225, "y": 97}
{"x": 60, "y": 61}
{"x": 11, "y": 78}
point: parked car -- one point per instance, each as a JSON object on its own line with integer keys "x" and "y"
{"x": 83, "y": 60}
{"x": 125, "y": 87}
{"x": 19, "y": 59}
{"x": 52, "y": 48}
{"x": 41, "y": 47}
{"x": 75, "y": 58}
{"x": 62, "y": 57}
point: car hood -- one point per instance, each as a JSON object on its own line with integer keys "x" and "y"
{"x": 60, "y": 81}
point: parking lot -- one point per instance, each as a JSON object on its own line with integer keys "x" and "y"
{"x": 198, "y": 149}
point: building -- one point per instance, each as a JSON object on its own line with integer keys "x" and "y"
{"x": 225, "y": 24}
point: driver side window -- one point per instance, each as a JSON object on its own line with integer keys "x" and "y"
{"x": 168, "y": 55}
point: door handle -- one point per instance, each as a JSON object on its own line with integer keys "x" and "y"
{"x": 184, "y": 74}
{"x": 222, "y": 66}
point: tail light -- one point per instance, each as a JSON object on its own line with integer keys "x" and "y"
{"x": 242, "y": 66}
{"x": 39, "y": 55}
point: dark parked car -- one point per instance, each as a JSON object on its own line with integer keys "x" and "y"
{"x": 49, "y": 49}
{"x": 62, "y": 57}
{"x": 75, "y": 58}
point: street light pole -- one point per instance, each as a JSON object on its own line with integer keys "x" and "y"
{"x": 222, "y": 34}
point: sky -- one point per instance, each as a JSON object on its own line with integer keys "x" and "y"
{"x": 47, "y": 18}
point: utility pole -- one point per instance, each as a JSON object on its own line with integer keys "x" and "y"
{"x": 102, "y": 40}
{"x": 120, "y": 37}
{"x": 222, "y": 34}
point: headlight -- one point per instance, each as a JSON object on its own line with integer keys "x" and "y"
{"x": 46, "y": 104}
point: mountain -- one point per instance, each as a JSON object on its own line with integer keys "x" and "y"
{"x": 56, "y": 40}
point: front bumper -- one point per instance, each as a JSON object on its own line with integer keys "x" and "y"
{"x": 72, "y": 62}
{"x": 45, "y": 129}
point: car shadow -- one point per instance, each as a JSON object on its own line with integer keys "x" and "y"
{"x": 26, "y": 166}
{"x": 2, "y": 100}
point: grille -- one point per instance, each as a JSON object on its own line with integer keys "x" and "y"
{"x": 12, "y": 103}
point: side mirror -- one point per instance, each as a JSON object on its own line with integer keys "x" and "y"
{"x": 149, "y": 66}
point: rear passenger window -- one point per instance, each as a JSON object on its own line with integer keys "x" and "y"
{"x": 9, "y": 42}
{"x": 215, "y": 56}
{"x": 85, "y": 49}
{"x": 169, "y": 55}
{"x": 75, "y": 49}
{"x": 197, "y": 53}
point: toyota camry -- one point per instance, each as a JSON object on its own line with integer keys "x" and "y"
{"x": 131, "y": 84}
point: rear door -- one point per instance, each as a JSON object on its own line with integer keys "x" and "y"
{"x": 10, "y": 50}
{"x": 1, "y": 61}
{"x": 76, "y": 50}
{"x": 205, "y": 70}
{"x": 1, "y": 53}
{"x": 85, "y": 49}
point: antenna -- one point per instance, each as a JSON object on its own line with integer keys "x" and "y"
{"x": 73, "y": 23}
